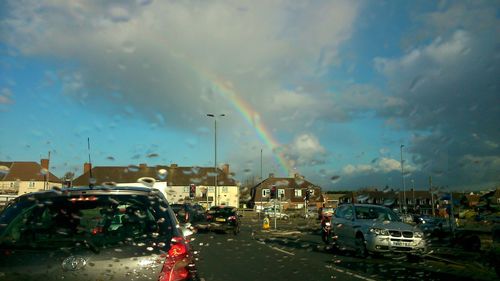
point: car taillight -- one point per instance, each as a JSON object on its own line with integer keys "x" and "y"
{"x": 232, "y": 218}
{"x": 209, "y": 217}
{"x": 176, "y": 262}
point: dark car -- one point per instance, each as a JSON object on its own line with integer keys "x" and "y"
{"x": 224, "y": 219}
{"x": 93, "y": 234}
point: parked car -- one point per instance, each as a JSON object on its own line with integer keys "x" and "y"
{"x": 370, "y": 228}
{"x": 92, "y": 234}
{"x": 224, "y": 219}
{"x": 271, "y": 213}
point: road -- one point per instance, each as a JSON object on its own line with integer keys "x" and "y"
{"x": 300, "y": 255}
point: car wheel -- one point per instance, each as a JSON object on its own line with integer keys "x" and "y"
{"x": 285, "y": 217}
{"x": 361, "y": 250}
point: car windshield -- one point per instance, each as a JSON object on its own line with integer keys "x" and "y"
{"x": 96, "y": 220}
{"x": 277, "y": 115}
{"x": 375, "y": 213}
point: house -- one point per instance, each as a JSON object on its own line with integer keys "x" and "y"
{"x": 177, "y": 180}
{"x": 19, "y": 177}
{"x": 291, "y": 193}
{"x": 332, "y": 200}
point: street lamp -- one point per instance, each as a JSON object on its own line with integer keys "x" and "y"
{"x": 215, "y": 153}
{"x": 403, "y": 178}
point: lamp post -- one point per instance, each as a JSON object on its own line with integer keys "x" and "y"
{"x": 403, "y": 178}
{"x": 215, "y": 153}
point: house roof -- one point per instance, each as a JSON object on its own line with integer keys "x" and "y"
{"x": 175, "y": 176}
{"x": 25, "y": 171}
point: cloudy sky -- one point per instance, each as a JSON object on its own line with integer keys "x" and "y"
{"x": 327, "y": 89}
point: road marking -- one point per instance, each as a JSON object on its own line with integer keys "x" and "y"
{"x": 283, "y": 251}
{"x": 352, "y": 274}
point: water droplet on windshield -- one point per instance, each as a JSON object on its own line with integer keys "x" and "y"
{"x": 152, "y": 155}
{"x": 335, "y": 179}
{"x": 109, "y": 184}
{"x": 147, "y": 181}
{"x": 133, "y": 168}
{"x": 128, "y": 47}
{"x": 4, "y": 170}
{"x": 111, "y": 158}
{"x": 44, "y": 171}
{"x": 162, "y": 173}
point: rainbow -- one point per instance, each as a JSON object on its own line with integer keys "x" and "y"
{"x": 251, "y": 117}
{"x": 242, "y": 107}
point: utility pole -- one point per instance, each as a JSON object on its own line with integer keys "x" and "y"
{"x": 215, "y": 154}
{"x": 403, "y": 178}
{"x": 432, "y": 195}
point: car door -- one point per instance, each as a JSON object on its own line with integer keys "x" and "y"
{"x": 342, "y": 224}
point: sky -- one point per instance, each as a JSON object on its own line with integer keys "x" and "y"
{"x": 336, "y": 91}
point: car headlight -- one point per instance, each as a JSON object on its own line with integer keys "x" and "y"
{"x": 379, "y": 231}
{"x": 418, "y": 234}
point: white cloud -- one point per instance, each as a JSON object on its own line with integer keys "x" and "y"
{"x": 305, "y": 149}
{"x": 383, "y": 165}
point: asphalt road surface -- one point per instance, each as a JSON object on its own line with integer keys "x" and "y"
{"x": 292, "y": 255}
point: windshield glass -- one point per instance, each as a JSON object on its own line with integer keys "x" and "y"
{"x": 375, "y": 213}
{"x": 285, "y": 110}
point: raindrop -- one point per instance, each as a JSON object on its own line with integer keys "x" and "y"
{"x": 335, "y": 179}
{"x": 44, "y": 171}
{"x": 150, "y": 248}
{"x": 111, "y": 158}
{"x": 147, "y": 181}
{"x": 4, "y": 170}
{"x": 247, "y": 171}
{"x": 282, "y": 183}
{"x": 389, "y": 202}
{"x": 196, "y": 180}
{"x": 299, "y": 181}
{"x": 153, "y": 155}
{"x": 386, "y": 189}
{"x": 92, "y": 180}
{"x": 128, "y": 47}
{"x": 363, "y": 197}
{"x": 133, "y": 168}
{"x": 211, "y": 174}
{"x": 187, "y": 172}
{"x": 162, "y": 173}
{"x": 109, "y": 184}
{"x": 195, "y": 170}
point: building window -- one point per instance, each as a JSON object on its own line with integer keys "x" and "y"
{"x": 311, "y": 191}
{"x": 281, "y": 193}
{"x": 211, "y": 189}
{"x": 224, "y": 189}
{"x": 186, "y": 189}
{"x": 298, "y": 192}
{"x": 266, "y": 192}
{"x": 32, "y": 184}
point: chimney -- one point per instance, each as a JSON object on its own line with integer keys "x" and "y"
{"x": 271, "y": 175}
{"x": 87, "y": 167}
{"x": 44, "y": 163}
{"x": 143, "y": 166}
{"x": 225, "y": 169}
{"x": 173, "y": 165}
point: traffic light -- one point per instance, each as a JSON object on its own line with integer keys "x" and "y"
{"x": 192, "y": 191}
{"x": 273, "y": 192}
{"x": 308, "y": 194}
